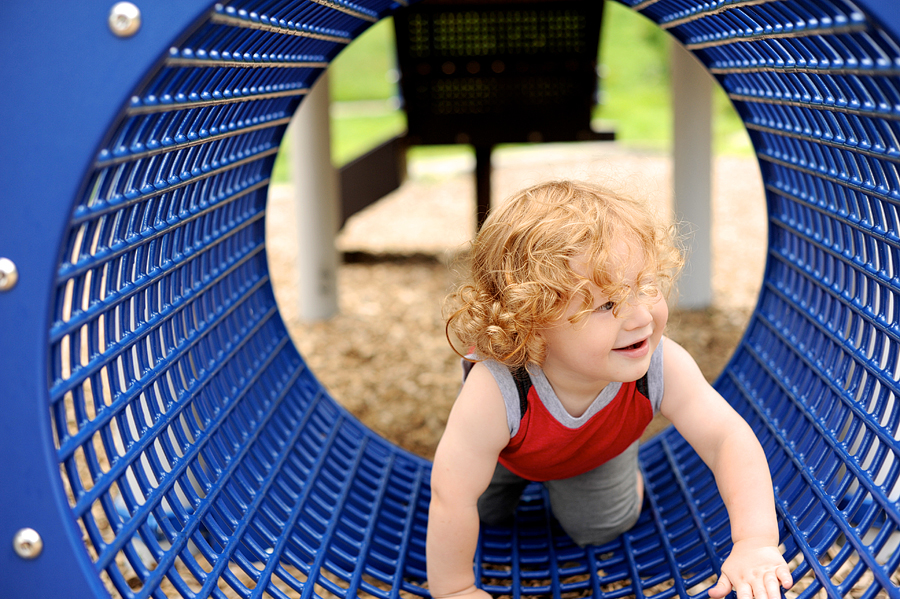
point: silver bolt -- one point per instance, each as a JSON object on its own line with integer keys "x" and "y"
{"x": 28, "y": 543}
{"x": 124, "y": 19}
{"x": 9, "y": 274}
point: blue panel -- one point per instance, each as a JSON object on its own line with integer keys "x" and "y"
{"x": 167, "y": 439}
{"x": 65, "y": 80}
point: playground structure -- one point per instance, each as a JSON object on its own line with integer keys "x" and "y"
{"x": 164, "y": 438}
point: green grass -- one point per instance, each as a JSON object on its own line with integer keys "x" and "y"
{"x": 355, "y": 135}
{"x": 636, "y": 86}
{"x": 635, "y": 82}
{"x": 351, "y": 136}
{"x": 636, "y": 98}
{"x": 366, "y": 69}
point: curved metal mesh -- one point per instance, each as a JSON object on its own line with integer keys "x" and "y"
{"x": 202, "y": 458}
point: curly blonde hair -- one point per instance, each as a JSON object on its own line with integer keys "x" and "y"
{"x": 521, "y": 266}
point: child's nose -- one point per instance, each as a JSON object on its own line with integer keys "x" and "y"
{"x": 638, "y": 315}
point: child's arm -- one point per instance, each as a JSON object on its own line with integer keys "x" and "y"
{"x": 727, "y": 445}
{"x": 464, "y": 463}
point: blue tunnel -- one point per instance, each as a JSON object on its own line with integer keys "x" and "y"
{"x": 164, "y": 437}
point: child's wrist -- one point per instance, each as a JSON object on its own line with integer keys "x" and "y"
{"x": 761, "y": 540}
{"x": 756, "y": 538}
{"x": 465, "y": 591}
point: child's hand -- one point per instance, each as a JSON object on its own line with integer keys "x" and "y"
{"x": 755, "y": 568}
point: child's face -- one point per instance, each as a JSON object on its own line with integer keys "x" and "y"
{"x": 605, "y": 347}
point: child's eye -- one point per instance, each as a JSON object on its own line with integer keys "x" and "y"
{"x": 606, "y": 307}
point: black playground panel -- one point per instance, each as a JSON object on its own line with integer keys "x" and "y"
{"x": 164, "y": 437}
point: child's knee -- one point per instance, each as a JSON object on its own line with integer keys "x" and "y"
{"x": 496, "y": 513}
{"x": 497, "y": 505}
{"x": 586, "y": 532}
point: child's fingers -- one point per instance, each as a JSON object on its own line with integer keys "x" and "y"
{"x": 721, "y": 588}
{"x": 759, "y": 588}
{"x": 773, "y": 585}
{"x": 784, "y": 576}
{"x": 744, "y": 591}
{"x": 769, "y": 587}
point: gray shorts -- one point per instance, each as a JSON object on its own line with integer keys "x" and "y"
{"x": 593, "y": 508}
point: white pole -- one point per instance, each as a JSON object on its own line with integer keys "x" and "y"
{"x": 692, "y": 173}
{"x": 315, "y": 183}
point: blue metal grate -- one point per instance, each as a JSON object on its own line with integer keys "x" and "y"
{"x": 189, "y": 452}
{"x": 201, "y": 456}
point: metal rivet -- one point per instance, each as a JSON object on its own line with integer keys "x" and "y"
{"x": 28, "y": 543}
{"x": 124, "y": 19}
{"x": 9, "y": 274}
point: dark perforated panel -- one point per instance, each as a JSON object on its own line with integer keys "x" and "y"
{"x": 201, "y": 457}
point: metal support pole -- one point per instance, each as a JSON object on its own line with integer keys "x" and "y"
{"x": 317, "y": 203}
{"x": 692, "y": 173}
{"x": 482, "y": 183}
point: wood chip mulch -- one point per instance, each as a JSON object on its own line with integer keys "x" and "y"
{"x": 384, "y": 355}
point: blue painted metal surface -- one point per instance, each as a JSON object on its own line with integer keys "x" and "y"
{"x": 165, "y": 437}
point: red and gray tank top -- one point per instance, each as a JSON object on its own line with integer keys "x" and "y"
{"x": 547, "y": 443}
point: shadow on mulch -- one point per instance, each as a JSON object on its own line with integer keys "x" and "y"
{"x": 389, "y": 258}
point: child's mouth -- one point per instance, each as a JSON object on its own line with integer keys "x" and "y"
{"x": 633, "y": 346}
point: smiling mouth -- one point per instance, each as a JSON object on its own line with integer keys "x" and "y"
{"x": 637, "y": 345}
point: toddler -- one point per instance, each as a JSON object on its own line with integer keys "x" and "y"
{"x": 564, "y": 315}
